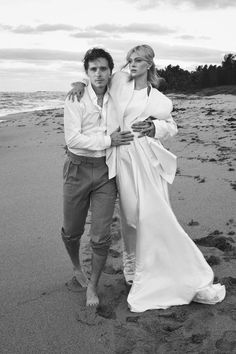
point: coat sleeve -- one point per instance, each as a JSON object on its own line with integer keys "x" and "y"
{"x": 162, "y": 107}
{"x": 165, "y": 129}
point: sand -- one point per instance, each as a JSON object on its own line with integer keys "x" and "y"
{"x": 39, "y": 314}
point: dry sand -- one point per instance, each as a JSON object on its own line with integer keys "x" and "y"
{"x": 40, "y": 315}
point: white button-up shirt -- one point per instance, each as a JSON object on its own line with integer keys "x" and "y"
{"x": 85, "y": 125}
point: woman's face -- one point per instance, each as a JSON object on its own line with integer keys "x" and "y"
{"x": 137, "y": 65}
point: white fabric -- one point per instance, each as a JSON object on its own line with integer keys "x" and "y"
{"x": 85, "y": 124}
{"x": 170, "y": 269}
{"x": 157, "y": 105}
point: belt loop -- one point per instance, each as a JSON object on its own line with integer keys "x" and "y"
{"x": 78, "y": 159}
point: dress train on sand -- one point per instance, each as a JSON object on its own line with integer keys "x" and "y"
{"x": 170, "y": 269}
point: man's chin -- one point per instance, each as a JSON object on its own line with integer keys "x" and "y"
{"x": 100, "y": 86}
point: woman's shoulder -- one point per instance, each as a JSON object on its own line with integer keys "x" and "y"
{"x": 160, "y": 95}
{"x": 162, "y": 98}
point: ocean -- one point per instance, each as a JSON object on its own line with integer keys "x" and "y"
{"x": 16, "y": 102}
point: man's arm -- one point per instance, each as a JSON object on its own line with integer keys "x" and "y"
{"x": 76, "y": 140}
{"x": 73, "y": 136}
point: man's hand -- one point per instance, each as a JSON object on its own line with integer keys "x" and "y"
{"x": 77, "y": 91}
{"x": 145, "y": 127}
{"x": 121, "y": 138}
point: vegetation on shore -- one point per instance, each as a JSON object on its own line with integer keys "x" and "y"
{"x": 177, "y": 79}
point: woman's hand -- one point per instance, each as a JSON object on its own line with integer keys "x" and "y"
{"x": 77, "y": 91}
{"x": 145, "y": 128}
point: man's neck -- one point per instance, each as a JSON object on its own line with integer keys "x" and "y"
{"x": 99, "y": 91}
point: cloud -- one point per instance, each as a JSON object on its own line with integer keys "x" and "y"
{"x": 41, "y": 69}
{"x": 190, "y": 37}
{"x": 30, "y": 69}
{"x": 146, "y": 28}
{"x": 90, "y": 34}
{"x": 107, "y": 30}
{"x": 99, "y": 31}
{"x": 167, "y": 52}
{"x": 20, "y": 54}
{"x": 38, "y": 29}
{"x": 186, "y": 37}
{"x": 200, "y": 4}
{"x": 117, "y": 48}
{"x": 5, "y": 27}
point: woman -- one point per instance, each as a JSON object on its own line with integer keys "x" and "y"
{"x": 169, "y": 268}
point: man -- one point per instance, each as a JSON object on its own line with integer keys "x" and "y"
{"x": 148, "y": 127}
{"x": 87, "y": 179}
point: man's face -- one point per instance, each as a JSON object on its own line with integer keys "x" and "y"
{"x": 99, "y": 73}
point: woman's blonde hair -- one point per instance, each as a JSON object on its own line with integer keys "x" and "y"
{"x": 147, "y": 53}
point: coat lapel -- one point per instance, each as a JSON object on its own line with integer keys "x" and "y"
{"x": 125, "y": 97}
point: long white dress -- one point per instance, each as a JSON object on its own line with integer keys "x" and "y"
{"x": 170, "y": 269}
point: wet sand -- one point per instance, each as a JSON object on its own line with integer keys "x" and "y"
{"x": 40, "y": 315}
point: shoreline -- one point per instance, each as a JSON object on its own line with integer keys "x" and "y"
{"x": 210, "y": 91}
{"x": 19, "y": 115}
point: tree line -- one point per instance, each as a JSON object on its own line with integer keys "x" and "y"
{"x": 178, "y": 79}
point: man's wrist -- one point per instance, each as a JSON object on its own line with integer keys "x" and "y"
{"x": 81, "y": 81}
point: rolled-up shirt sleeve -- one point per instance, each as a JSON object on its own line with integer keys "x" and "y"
{"x": 165, "y": 129}
{"x": 75, "y": 139}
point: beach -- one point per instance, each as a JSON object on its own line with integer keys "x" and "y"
{"x": 41, "y": 314}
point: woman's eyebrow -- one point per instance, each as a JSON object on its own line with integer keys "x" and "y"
{"x": 140, "y": 58}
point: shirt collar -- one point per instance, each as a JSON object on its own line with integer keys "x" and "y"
{"x": 93, "y": 95}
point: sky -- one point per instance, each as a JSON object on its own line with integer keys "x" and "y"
{"x": 42, "y": 42}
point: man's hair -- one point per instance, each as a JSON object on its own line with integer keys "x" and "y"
{"x": 94, "y": 54}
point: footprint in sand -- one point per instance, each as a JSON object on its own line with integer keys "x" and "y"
{"x": 213, "y": 260}
{"x": 88, "y": 316}
{"x": 178, "y": 315}
{"x": 233, "y": 185}
{"x": 132, "y": 319}
{"x": 227, "y": 343}
{"x": 106, "y": 311}
{"x": 198, "y": 338}
{"x": 200, "y": 179}
{"x": 230, "y": 284}
{"x": 193, "y": 223}
{"x": 213, "y": 240}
